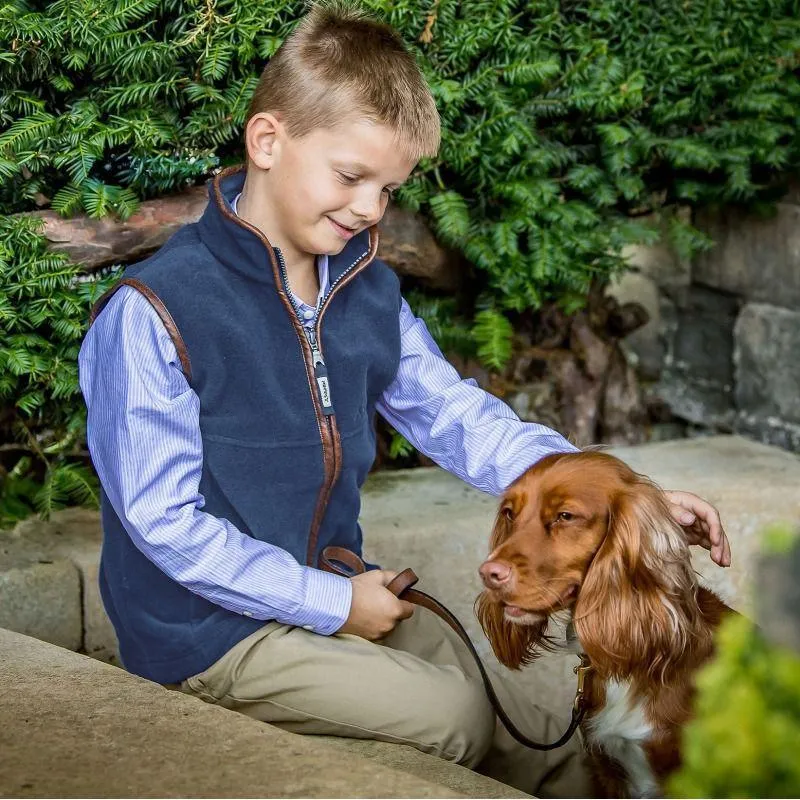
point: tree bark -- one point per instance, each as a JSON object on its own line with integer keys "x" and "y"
{"x": 406, "y": 243}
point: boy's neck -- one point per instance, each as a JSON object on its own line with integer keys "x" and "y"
{"x": 300, "y": 267}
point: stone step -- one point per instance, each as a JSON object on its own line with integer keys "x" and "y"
{"x": 72, "y": 726}
{"x": 431, "y": 521}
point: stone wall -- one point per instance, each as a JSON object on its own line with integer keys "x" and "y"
{"x": 721, "y": 349}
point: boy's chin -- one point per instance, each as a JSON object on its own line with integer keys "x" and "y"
{"x": 334, "y": 250}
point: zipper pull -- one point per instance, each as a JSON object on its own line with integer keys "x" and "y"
{"x": 320, "y": 374}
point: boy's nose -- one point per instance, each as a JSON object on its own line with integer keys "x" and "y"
{"x": 368, "y": 209}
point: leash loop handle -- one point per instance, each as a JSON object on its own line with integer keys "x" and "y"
{"x": 402, "y": 582}
{"x": 401, "y": 586}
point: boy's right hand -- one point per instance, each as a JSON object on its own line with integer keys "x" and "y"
{"x": 374, "y": 610}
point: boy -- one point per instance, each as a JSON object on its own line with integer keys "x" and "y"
{"x": 231, "y": 381}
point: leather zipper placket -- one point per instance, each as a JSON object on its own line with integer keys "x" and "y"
{"x": 329, "y": 429}
{"x": 311, "y": 347}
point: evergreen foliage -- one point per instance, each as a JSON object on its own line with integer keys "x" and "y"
{"x": 564, "y": 122}
{"x": 42, "y": 320}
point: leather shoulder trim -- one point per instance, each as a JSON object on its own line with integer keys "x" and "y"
{"x": 160, "y": 309}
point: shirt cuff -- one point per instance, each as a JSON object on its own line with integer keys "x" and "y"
{"x": 327, "y": 603}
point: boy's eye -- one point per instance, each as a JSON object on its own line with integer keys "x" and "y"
{"x": 345, "y": 178}
{"x": 389, "y": 192}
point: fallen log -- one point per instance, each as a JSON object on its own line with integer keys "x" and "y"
{"x": 406, "y": 242}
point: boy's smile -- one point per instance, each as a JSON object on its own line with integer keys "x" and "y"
{"x": 311, "y": 194}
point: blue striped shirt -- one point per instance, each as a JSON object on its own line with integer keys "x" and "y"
{"x": 144, "y": 437}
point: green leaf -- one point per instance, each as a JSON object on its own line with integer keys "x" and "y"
{"x": 67, "y": 200}
{"x": 686, "y": 239}
{"x": 400, "y": 447}
{"x": 451, "y": 216}
{"x": 493, "y": 335}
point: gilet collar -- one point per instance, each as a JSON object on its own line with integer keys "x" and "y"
{"x": 243, "y": 249}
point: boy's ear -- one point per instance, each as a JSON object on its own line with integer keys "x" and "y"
{"x": 263, "y": 130}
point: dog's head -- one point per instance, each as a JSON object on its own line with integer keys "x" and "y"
{"x": 582, "y": 531}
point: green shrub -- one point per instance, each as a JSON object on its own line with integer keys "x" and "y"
{"x": 42, "y": 319}
{"x": 561, "y": 119}
{"x": 743, "y": 740}
{"x": 563, "y": 123}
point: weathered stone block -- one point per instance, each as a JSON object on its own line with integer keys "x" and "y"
{"x": 767, "y": 364}
{"x": 74, "y": 535}
{"x": 697, "y": 379}
{"x": 695, "y": 400}
{"x": 758, "y": 259}
{"x": 704, "y": 339}
{"x": 647, "y": 343}
{"x": 778, "y": 603}
{"x": 43, "y": 600}
{"x": 73, "y": 727}
{"x": 99, "y": 637}
{"x": 769, "y": 430}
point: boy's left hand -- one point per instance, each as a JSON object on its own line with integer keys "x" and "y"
{"x": 701, "y": 523}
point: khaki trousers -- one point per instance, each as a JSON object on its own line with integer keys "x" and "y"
{"x": 418, "y": 686}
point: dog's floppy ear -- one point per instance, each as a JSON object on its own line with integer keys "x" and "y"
{"x": 631, "y": 613}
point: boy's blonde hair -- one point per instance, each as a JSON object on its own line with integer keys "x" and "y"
{"x": 339, "y": 62}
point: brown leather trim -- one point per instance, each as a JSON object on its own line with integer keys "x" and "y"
{"x": 336, "y": 455}
{"x": 160, "y": 309}
{"x": 304, "y": 345}
{"x": 326, "y": 430}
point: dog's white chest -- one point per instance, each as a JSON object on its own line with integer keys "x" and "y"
{"x": 620, "y": 731}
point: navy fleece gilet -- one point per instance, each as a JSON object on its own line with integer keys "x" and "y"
{"x": 262, "y": 447}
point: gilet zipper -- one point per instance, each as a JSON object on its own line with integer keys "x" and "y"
{"x": 326, "y": 418}
{"x": 329, "y": 431}
{"x": 320, "y": 370}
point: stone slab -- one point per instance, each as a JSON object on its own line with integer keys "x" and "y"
{"x": 409, "y": 759}
{"x": 758, "y": 259}
{"x": 767, "y": 365}
{"x": 71, "y": 726}
{"x": 43, "y": 599}
{"x": 72, "y": 535}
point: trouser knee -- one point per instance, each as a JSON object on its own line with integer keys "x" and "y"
{"x": 467, "y": 726}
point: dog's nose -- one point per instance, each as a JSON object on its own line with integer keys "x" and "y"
{"x": 494, "y": 573}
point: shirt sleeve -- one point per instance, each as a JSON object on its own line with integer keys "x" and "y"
{"x": 144, "y": 437}
{"x": 463, "y": 428}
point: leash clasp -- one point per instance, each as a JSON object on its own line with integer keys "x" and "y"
{"x": 581, "y": 670}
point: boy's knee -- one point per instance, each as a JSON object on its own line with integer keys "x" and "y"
{"x": 468, "y": 724}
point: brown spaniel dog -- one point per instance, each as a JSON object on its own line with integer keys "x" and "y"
{"x": 584, "y": 533}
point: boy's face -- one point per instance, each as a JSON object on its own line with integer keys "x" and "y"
{"x": 318, "y": 191}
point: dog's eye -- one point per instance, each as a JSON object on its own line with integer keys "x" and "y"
{"x": 566, "y": 516}
{"x": 507, "y": 512}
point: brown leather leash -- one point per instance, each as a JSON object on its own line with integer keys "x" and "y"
{"x": 401, "y": 585}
